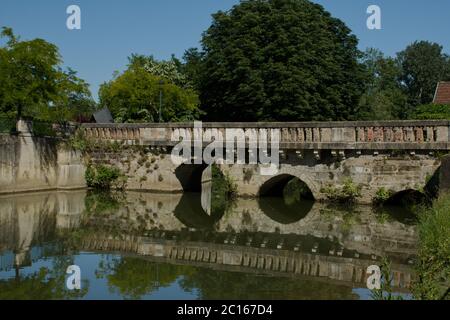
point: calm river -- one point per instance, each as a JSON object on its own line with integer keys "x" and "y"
{"x": 158, "y": 246}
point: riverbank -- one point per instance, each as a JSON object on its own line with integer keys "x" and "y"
{"x": 433, "y": 265}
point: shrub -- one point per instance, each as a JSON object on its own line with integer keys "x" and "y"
{"x": 431, "y": 112}
{"x": 348, "y": 193}
{"x": 223, "y": 190}
{"x": 101, "y": 177}
{"x": 386, "y": 290}
{"x": 296, "y": 190}
{"x": 382, "y": 196}
{"x": 433, "y": 268}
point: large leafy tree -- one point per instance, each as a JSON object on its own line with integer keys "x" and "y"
{"x": 278, "y": 60}
{"x": 33, "y": 84}
{"x": 134, "y": 95}
{"x": 423, "y": 66}
{"x": 384, "y": 98}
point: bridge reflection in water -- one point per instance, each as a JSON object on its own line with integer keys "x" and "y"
{"x": 310, "y": 243}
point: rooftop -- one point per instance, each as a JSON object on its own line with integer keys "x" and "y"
{"x": 442, "y": 95}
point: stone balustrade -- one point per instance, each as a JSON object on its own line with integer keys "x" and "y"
{"x": 374, "y": 135}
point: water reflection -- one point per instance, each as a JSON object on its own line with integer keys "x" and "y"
{"x": 142, "y": 245}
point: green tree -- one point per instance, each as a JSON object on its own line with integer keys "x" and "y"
{"x": 33, "y": 84}
{"x": 384, "y": 98}
{"x": 423, "y": 65}
{"x": 431, "y": 112}
{"x": 134, "y": 96}
{"x": 279, "y": 60}
{"x": 133, "y": 278}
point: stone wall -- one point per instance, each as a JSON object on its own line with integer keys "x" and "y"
{"x": 30, "y": 163}
{"x": 370, "y": 172}
{"x": 151, "y": 169}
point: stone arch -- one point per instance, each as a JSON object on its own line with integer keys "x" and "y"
{"x": 190, "y": 176}
{"x": 190, "y": 212}
{"x": 406, "y": 195}
{"x": 274, "y": 186}
{"x": 276, "y": 207}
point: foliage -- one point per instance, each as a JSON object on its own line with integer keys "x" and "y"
{"x": 33, "y": 84}
{"x": 296, "y": 190}
{"x": 46, "y": 283}
{"x": 433, "y": 267}
{"x": 431, "y": 112}
{"x": 134, "y": 96}
{"x": 384, "y": 98}
{"x": 100, "y": 201}
{"x": 78, "y": 141}
{"x": 385, "y": 292}
{"x": 135, "y": 277}
{"x": 278, "y": 60}
{"x": 43, "y": 129}
{"x": 102, "y": 177}
{"x": 170, "y": 70}
{"x": 348, "y": 193}
{"x": 423, "y": 65}
{"x": 7, "y": 124}
{"x": 382, "y": 195}
{"x": 223, "y": 190}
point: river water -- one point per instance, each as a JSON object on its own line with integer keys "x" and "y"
{"x": 159, "y": 246}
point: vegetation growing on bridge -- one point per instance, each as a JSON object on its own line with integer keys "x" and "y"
{"x": 296, "y": 190}
{"x": 223, "y": 190}
{"x": 382, "y": 196}
{"x": 103, "y": 177}
{"x": 347, "y": 193}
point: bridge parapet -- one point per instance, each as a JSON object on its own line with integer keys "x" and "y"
{"x": 360, "y": 135}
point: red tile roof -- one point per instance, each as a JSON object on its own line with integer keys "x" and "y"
{"x": 442, "y": 95}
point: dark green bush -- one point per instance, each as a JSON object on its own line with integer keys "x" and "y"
{"x": 101, "y": 177}
{"x": 431, "y": 112}
{"x": 348, "y": 193}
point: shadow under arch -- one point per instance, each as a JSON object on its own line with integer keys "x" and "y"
{"x": 408, "y": 198}
{"x": 285, "y": 208}
{"x": 190, "y": 176}
{"x": 191, "y": 213}
{"x": 401, "y": 206}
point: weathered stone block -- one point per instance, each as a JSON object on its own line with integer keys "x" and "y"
{"x": 444, "y": 175}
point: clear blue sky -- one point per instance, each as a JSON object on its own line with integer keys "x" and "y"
{"x": 113, "y": 29}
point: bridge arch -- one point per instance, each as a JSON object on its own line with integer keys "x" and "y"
{"x": 285, "y": 208}
{"x": 407, "y": 197}
{"x": 275, "y": 186}
{"x": 190, "y": 176}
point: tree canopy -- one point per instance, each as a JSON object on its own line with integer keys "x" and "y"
{"x": 278, "y": 60}
{"x": 33, "y": 84}
{"x": 134, "y": 95}
{"x": 423, "y": 65}
{"x": 384, "y": 98}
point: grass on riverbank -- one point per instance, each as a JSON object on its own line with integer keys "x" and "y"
{"x": 433, "y": 265}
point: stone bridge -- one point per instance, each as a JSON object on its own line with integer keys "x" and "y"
{"x": 399, "y": 156}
